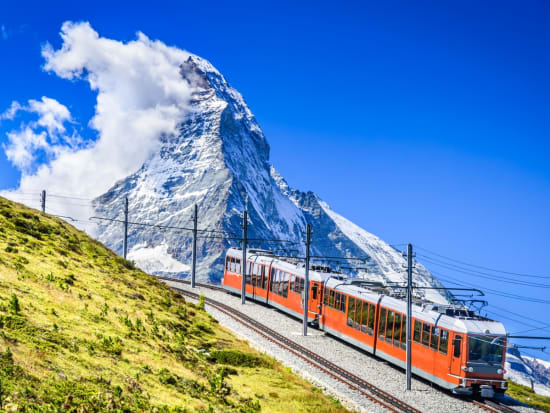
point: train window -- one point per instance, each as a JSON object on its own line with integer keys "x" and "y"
{"x": 314, "y": 292}
{"x": 248, "y": 273}
{"x": 276, "y": 282}
{"x": 292, "y": 278}
{"x": 434, "y": 342}
{"x": 358, "y": 305}
{"x": 252, "y": 275}
{"x": 343, "y": 303}
{"x": 397, "y": 330}
{"x": 389, "y": 326}
{"x": 331, "y": 299}
{"x": 285, "y": 284}
{"x": 227, "y": 263}
{"x": 382, "y": 324}
{"x": 265, "y": 272}
{"x": 237, "y": 265}
{"x": 351, "y": 311}
{"x": 371, "y": 319}
{"x": 325, "y": 298}
{"x": 337, "y": 298}
{"x": 417, "y": 331}
{"x": 443, "y": 340}
{"x": 272, "y": 280}
{"x": 457, "y": 343}
{"x": 426, "y": 330}
{"x": 302, "y": 282}
{"x": 404, "y": 331}
{"x": 365, "y": 317}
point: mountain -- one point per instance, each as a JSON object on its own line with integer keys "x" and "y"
{"x": 528, "y": 371}
{"x": 219, "y": 160}
{"x": 83, "y": 330}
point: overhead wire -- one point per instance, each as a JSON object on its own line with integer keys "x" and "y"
{"x": 480, "y": 274}
{"x": 480, "y": 266}
{"x": 495, "y": 292}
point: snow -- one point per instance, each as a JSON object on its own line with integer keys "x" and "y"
{"x": 519, "y": 372}
{"x": 155, "y": 259}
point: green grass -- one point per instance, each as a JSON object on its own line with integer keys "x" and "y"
{"x": 525, "y": 395}
{"x": 84, "y": 330}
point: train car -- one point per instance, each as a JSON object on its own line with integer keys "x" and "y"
{"x": 273, "y": 281}
{"x": 451, "y": 346}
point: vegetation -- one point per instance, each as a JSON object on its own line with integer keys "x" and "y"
{"x": 84, "y": 330}
{"x": 524, "y": 394}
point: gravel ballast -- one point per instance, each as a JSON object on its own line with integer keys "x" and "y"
{"x": 423, "y": 396}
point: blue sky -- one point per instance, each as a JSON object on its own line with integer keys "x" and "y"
{"x": 423, "y": 122}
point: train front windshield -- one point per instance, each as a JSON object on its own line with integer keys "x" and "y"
{"x": 485, "y": 349}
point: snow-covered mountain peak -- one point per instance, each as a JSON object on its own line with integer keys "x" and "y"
{"x": 218, "y": 158}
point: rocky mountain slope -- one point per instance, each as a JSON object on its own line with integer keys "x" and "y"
{"x": 83, "y": 330}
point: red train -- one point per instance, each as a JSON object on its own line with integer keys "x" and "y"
{"x": 451, "y": 346}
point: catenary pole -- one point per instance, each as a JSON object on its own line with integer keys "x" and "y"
{"x": 194, "y": 261}
{"x": 306, "y": 284}
{"x": 125, "y": 246}
{"x": 243, "y": 263}
{"x": 409, "y": 312}
{"x": 43, "y": 201}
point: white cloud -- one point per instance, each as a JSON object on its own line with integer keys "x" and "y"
{"x": 11, "y": 111}
{"x": 44, "y": 136}
{"x": 52, "y": 114}
{"x": 23, "y": 146}
{"x": 141, "y": 96}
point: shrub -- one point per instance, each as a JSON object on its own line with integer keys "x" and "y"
{"x": 237, "y": 358}
{"x": 202, "y": 300}
{"x": 111, "y": 345}
{"x": 165, "y": 377}
{"x": 200, "y": 326}
{"x": 14, "y": 306}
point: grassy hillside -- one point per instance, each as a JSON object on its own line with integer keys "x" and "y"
{"x": 525, "y": 395}
{"x": 83, "y": 330}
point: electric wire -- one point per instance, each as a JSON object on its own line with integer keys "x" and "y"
{"x": 480, "y": 266}
{"x": 479, "y": 274}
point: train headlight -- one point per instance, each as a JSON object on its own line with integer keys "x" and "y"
{"x": 470, "y": 369}
{"x": 499, "y": 371}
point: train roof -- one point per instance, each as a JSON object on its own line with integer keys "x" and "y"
{"x": 452, "y": 317}
{"x": 456, "y": 318}
{"x": 286, "y": 264}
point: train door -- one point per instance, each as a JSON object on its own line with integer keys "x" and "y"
{"x": 456, "y": 355}
{"x": 315, "y": 297}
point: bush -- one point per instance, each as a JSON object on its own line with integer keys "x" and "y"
{"x": 202, "y": 300}
{"x": 14, "y": 306}
{"x": 237, "y": 358}
{"x": 165, "y": 377}
{"x": 111, "y": 345}
{"x": 200, "y": 326}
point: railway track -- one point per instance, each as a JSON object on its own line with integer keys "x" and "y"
{"x": 371, "y": 392}
{"x": 493, "y": 406}
{"x": 354, "y": 382}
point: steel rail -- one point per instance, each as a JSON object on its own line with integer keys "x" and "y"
{"x": 356, "y": 383}
{"x": 500, "y": 407}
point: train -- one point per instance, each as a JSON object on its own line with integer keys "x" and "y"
{"x": 452, "y": 346}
